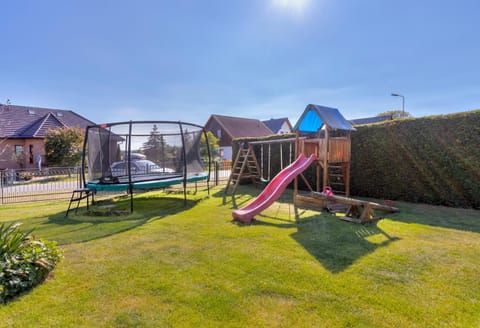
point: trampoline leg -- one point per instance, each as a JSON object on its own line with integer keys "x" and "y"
{"x": 131, "y": 198}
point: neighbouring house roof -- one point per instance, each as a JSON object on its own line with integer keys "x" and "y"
{"x": 237, "y": 127}
{"x": 275, "y": 124}
{"x": 369, "y": 120}
{"x": 315, "y": 117}
{"x": 33, "y": 122}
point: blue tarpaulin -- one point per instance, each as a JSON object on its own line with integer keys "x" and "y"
{"x": 315, "y": 117}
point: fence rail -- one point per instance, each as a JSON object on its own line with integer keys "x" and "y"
{"x": 57, "y": 183}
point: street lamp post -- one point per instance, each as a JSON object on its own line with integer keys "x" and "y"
{"x": 403, "y": 103}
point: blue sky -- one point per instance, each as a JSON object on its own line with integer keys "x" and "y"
{"x": 186, "y": 59}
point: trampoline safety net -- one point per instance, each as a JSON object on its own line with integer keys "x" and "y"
{"x": 129, "y": 152}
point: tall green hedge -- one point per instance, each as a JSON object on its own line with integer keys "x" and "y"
{"x": 434, "y": 160}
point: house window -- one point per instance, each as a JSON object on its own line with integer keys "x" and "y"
{"x": 18, "y": 150}
{"x": 219, "y": 133}
{"x": 19, "y": 155}
{"x": 30, "y": 154}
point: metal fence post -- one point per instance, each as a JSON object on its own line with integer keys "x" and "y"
{"x": 2, "y": 177}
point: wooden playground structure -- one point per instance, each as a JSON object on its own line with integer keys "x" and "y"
{"x": 326, "y": 134}
{"x": 247, "y": 166}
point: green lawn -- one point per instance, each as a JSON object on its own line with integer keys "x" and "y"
{"x": 170, "y": 266}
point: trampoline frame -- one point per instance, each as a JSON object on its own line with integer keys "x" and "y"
{"x": 161, "y": 181}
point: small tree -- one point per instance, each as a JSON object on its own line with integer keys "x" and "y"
{"x": 154, "y": 148}
{"x": 396, "y": 113}
{"x": 63, "y": 146}
{"x": 212, "y": 144}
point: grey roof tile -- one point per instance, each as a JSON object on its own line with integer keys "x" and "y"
{"x": 33, "y": 122}
{"x": 275, "y": 124}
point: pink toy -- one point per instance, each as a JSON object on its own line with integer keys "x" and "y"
{"x": 328, "y": 191}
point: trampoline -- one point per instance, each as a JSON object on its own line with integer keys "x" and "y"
{"x": 144, "y": 155}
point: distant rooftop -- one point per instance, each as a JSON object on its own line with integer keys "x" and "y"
{"x": 238, "y": 127}
{"x": 33, "y": 122}
{"x": 275, "y": 124}
{"x": 370, "y": 120}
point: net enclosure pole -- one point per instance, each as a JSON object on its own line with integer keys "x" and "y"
{"x": 184, "y": 165}
{"x": 130, "y": 184}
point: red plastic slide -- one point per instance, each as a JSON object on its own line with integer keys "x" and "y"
{"x": 273, "y": 190}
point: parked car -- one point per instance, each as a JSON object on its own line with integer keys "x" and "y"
{"x": 137, "y": 156}
{"x": 142, "y": 166}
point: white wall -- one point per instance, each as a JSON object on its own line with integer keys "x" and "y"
{"x": 227, "y": 153}
{"x": 284, "y": 129}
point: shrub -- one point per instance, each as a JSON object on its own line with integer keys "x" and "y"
{"x": 63, "y": 146}
{"x": 24, "y": 175}
{"x": 24, "y": 261}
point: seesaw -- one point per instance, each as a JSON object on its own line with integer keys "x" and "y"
{"x": 359, "y": 211}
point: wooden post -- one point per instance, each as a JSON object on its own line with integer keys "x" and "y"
{"x": 325, "y": 159}
{"x": 347, "y": 179}
{"x": 295, "y": 182}
{"x": 349, "y": 163}
{"x": 317, "y": 173}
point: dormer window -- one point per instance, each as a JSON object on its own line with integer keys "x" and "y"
{"x": 59, "y": 114}
{"x": 31, "y": 112}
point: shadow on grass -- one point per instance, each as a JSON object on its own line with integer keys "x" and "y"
{"x": 106, "y": 218}
{"x": 244, "y": 195}
{"x": 337, "y": 244}
{"x": 439, "y": 216}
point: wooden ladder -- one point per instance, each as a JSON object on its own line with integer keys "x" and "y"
{"x": 77, "y": 196}
{"x": 338, "y": 178}
{"x": 245, "y": 167}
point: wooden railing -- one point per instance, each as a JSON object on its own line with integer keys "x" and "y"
{"x": 339, "y": 149}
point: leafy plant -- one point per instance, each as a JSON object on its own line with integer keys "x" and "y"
{"x": 63, "y": 146}
{"x": 11, "y": 239}
{"x": 24, "y": 260}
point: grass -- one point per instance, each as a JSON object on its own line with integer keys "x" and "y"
{"x": 167, "y": 265}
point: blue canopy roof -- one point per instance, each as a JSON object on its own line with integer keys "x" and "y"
{"x": 315, "y": 117}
